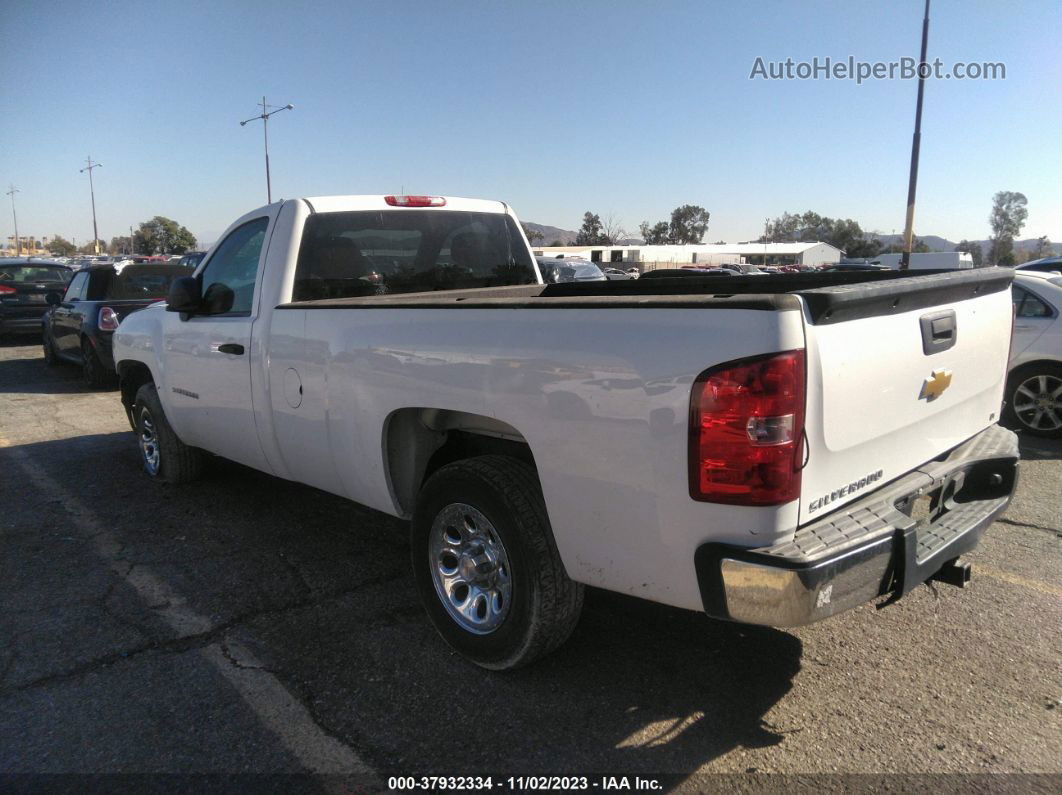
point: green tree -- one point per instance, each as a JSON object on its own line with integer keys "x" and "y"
{"x": 120, "y": 245}
{"x": 556, "y": 243}
{"x": 689, "y": 223}
{"x": 591, "y": 233}
{"x": 532, "y": 234}
{"x": 61, "y": 247}
{"x": 973, "y": 249}
{"x": 918, "y": 246}
{"x": 654, "y": 235}
{"x": 1044, "y": 247}
{"x": 162, "y": 235}
{"x": 864, "y": 248}
{"x": 1009, "y": 212}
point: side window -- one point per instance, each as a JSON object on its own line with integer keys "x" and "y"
{"x": 1028, "y": 305}
{"x": 76, "y": 289}
{"x": 99, "y": 278}
{"x": 235, "y": 266}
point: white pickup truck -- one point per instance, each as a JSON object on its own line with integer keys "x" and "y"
{"x": 767, "y": 450}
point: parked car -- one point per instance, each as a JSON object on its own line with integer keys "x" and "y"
{"x": 79, "y": 326}
{"x": 555, "y": 270}
{"x": 854, "y": 266}
{"x": 25, "y": 285}
{"x": 774, "y": 452}
{"x": 191, "y": 258}
{"x": 615, "y": 274}
{"x": 634, "y": 273}
{"x": 1034, "y": 385}
{"x": 1044, "y": 265}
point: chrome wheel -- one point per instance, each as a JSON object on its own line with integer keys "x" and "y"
{"x": 149, "y": 444}
{"x": 1038, "y": 403}
{"x": 470, "y": 568}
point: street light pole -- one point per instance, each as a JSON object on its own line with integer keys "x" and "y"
{"x": 14, "y": 216}
{"x": 916, "y": 143}
{"x": 92, "y": 192}
{"x": 264, "y": 116}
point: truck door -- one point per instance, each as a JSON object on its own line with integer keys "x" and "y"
{"x": 208, "y": 357}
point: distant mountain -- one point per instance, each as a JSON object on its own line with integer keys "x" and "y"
{"x": 551, "y": 233}
{"x": 941, "y": 244}
{"x": 935, "y": 243}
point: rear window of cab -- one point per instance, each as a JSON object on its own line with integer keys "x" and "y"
{"x": 366, "y": 253}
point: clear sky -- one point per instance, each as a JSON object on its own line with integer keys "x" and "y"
{"x": 627, "y": 109}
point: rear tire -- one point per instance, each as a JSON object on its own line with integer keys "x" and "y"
{"x": 50, "y": 358}
{"x": 1034, "y": 400}
{"x": 93, "y": 373}
{"x": 481, "y": 538}
{"x": 164, "y": 456}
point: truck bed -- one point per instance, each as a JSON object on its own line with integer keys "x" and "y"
{"x": 830, "y": 297}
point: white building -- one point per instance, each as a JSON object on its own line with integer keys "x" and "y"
{"x": 666, "y": 256}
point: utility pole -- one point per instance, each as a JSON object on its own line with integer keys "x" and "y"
{"x": 14, "y": 215}
{"x": 766, "y": 226}
{"x": 132, "y": 249}
{"x": 264, "y": 116}
{"x": 916, "y": 142}
{"x": 92, "y": 192}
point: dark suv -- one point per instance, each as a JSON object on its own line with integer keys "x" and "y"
{"x": 79, "y": 326}
{"x": 24, "y": 289}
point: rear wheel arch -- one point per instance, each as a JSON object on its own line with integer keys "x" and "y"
{"x": 419, "y": 441}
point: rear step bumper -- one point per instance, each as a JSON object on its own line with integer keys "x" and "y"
{"x": 886, "y": 543}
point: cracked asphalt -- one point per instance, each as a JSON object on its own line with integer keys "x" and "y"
{"x": 244, "y": 624}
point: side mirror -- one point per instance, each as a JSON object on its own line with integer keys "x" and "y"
{"x": 218, "y": 299}
{"x": 53, "y": 299}
{"x": 184, "y": 295}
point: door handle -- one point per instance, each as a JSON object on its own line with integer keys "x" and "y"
{"x": 231, "y": 347}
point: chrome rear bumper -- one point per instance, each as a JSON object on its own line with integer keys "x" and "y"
{"x": 875, "y": 546}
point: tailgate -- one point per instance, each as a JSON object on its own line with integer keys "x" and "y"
{"x": 898, "y": 373}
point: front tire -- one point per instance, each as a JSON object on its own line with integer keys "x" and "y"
{"x": 487, "y": 566}
{"x": 164, "y": 456}
{"x": 1034, "y": 400}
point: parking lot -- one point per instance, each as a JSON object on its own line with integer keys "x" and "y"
{"x": 244, "y": 624}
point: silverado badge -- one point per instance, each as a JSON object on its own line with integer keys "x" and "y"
{"x": 934, "y": 386}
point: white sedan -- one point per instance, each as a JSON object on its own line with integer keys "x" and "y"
{"x": 1033, "y": 401}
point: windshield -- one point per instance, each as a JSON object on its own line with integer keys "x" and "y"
{"x": 355, "y": 254}
{"x": 33, "y": 273}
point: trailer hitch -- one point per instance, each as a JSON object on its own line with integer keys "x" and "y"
{"x": 954, "y": 572}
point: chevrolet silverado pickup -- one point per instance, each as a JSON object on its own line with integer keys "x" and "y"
{"x": 769, "y": 450}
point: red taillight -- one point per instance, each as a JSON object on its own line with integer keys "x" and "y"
{"x": 746, "y": 431}
{"x": 415, "y": 201}
{"x": 5, "y": 290}
{"x": 108, "y": 320}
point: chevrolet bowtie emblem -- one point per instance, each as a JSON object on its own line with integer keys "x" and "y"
{"x": 934, "y": 386}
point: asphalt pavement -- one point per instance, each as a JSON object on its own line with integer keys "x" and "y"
{"x": 243, "y": 624}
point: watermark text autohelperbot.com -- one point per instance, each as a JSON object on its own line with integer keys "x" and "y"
{"x": 849, "y": 68}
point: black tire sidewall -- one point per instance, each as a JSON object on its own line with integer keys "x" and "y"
{"x": 92, "y": 372}
{"x": 449, "y": 486}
